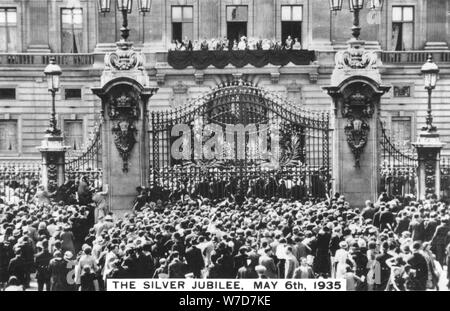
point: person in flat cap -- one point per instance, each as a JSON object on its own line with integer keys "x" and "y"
{"x": 42, "y": 262}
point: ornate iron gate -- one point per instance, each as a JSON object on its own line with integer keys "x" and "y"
{"x": 294, "y": 164}
{"x": 88, "y": 163}
{"x": 398, "y": 168}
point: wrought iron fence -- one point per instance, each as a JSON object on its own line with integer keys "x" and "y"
{"x": 304, "y": 162}
{"x": 18, "y": 180}
{"x": 398, "y": 167}
{"x": 88, "y": 163}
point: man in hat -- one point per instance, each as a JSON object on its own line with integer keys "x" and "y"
{"x": 177, "y": 268}
{"x": 42, "y": 262}
{"x": 18, "y": 268}
{"x": 418, "y": 262}
{"x": 57, "y": 270}
{"x": 268, "y": 262}
{"x": 194, "y": 258}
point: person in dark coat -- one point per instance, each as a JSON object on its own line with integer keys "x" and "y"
{"x": 57, "y": 270}
{"x": 418, "y": 262}
{"x": 18, "y": 268}
{"x": 417, "y": 228}
{"x": 403, "y": 224}
{"x": 430, "y": 226}
{"x": 42, "y": 261}
{"x": 84, "y": 193}
{"x": 239, "y": 259}
{"x": 194, "y": 259}
{"x": 387, "y": 220}
{"x": 177, "y": 269}
{"x": 6, "y": 254}
{"x": 439, "y": 241}
{"x": 385, "y": 270}
{"x": 145, "y": 267}
{"x": 322, "y": 262}
{"x": 247, "y": 271}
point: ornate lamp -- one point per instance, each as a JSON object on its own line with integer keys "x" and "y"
{"x": 144, "y": 6}
{"x": 356, "y": 4}
{"x": 376, "y": 4}
{"x": 53, "y": 73}
{"x": 430, "y": 73}
{"x": 336, "y": 5}
{"x": 125, "y": 5}
{"x": 104, "y": 6}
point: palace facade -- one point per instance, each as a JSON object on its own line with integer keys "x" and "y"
{"x": 403, "y": 33}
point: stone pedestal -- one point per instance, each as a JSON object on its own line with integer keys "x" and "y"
{"x": 53, "y": 154}
{"x": 356, "y": 89}
{"x": 429, "y": 149}
{"x": 125, "y": 91}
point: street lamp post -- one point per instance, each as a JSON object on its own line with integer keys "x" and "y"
{"x": 53, "y": 73}
{"x": 430, "y": 73}
{"x": 355, "y": 6}
{"x": 125, "y": 7}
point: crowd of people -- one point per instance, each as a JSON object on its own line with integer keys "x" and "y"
{"x": 242, "y": 44}
{"x": 78, "y": 245}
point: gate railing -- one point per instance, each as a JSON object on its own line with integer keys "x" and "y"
{"x": 18, "y": 180}
{"x": 398, "y": 168}
{"x": 89, "y": 163}
{"x": 305, "y": 146}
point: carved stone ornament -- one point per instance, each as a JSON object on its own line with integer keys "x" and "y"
{"x": 124, "y": 105}
{"x": 124, "y": 58}
{"x": 124, "y": 138}
{"x": 356, "y": 58}
{"x": 357, "y": 108}
{"x": 357, "y": 132}
{"x": 124, "y": 111}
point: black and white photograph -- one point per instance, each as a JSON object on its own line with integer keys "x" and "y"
{"x": 225, "y": 151}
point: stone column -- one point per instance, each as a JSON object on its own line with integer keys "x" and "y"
{"x": 429, "y": 149}
{"x": 125, "y": 91}
{"x": 356, "y": 90}
{"x": 53, "y": 154}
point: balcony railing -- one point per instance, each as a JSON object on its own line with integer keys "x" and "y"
{"x": 413, "y": 57}
{"x": 32, "y": 59}
{"x": 324, "y": 58}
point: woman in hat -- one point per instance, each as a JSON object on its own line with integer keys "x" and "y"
{"x": 341, "y": 258}
{"x": 101, "y": 204}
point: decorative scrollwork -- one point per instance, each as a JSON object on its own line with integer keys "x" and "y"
{"x": 124, "y": 58}
{"x": 357, "y": 132}
{"x": 124, "y": 138}
{"x": 355, "y": 58}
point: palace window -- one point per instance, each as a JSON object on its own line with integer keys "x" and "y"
{"x": 403, "y": 28}
{"x": 237, "y": 19}
{"x": 7, "y": 93}
{"x": 73, "y": 133}
{"x": 182, "y": 22}
{"x": 71, "y": 30}
{"x": 8, "y": 136}
{"x": 8, "y": 30}
{"x": 71, "y": 94}
{"x": 291, "y": 22}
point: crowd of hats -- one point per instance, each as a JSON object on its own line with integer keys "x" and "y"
{"x": 167, "y": 229}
